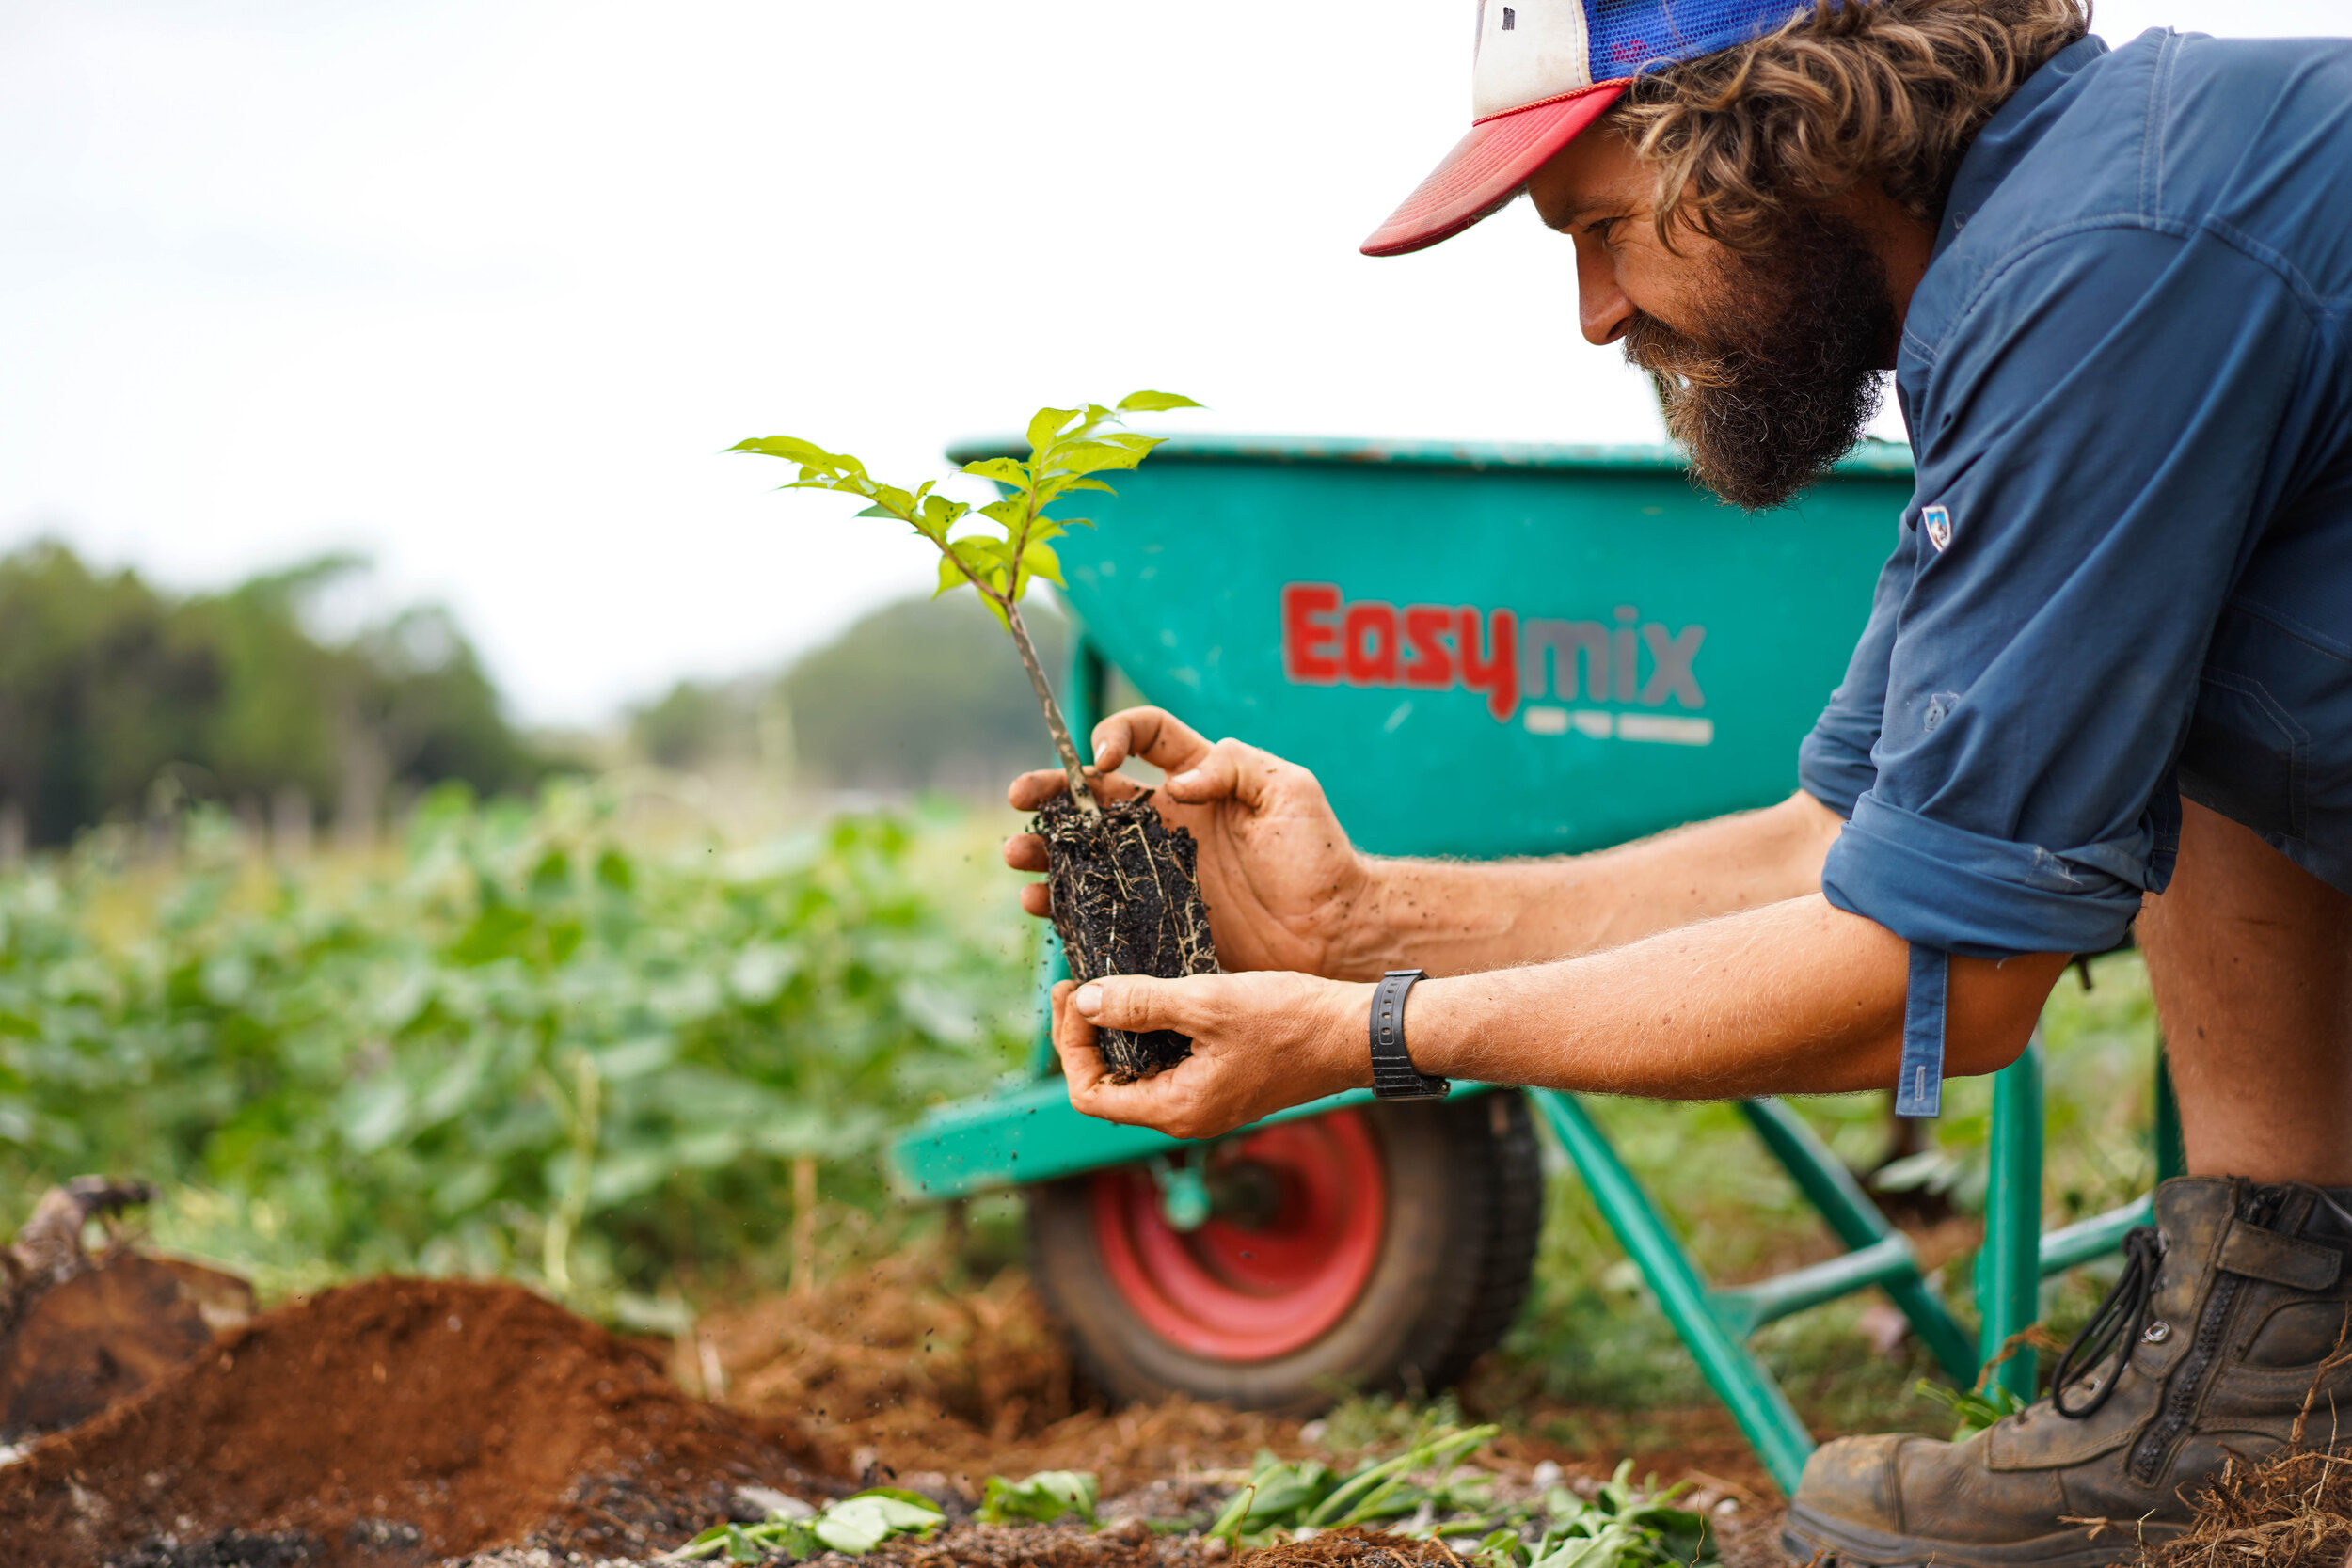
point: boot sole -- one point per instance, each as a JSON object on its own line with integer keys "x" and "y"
{"x": 1810, "y": 1537}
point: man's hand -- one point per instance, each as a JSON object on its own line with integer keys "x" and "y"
{"x": 1261, "y": 1042}
{"x": 1281, "y": 881}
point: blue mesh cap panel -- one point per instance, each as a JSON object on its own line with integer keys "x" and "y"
{"x": 1632, "y": 36}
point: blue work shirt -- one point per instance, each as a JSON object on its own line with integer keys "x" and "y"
{"x": 2125, "y": 574}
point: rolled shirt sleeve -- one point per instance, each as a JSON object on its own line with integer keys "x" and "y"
{"x": 2096, "y": 435}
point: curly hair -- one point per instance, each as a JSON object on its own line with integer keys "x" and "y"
{"x": 1886, "y": 91}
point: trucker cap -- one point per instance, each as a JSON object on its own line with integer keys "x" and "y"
{"x": 1544, "y": 70}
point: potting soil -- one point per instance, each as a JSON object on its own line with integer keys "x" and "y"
{"x": 1126, "y": 898}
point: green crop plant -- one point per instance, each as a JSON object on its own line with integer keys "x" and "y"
{"x": 529, "y": 1041}
{"x": 1012, "y": 544}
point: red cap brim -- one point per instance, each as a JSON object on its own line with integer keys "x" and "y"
{"x": 1487, "y": 169}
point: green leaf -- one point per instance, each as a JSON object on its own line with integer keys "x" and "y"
{"x": 1088, "y": 457}
{"x": 950, "y": 576}
{"x": 1154, "y": 403}
{"x": 1046, "y": 424}
{"x": 938, "y": 515}
{"x": 1045, "y": 1497}
{"x": 791, "y": 448}
{"x": 1004, "y": 470}
{"x": 858, "y": 1524}
{"x": 1038, "y": 560}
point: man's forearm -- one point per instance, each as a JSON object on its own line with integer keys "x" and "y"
{"x": 1451, "y": 917}
{"x": 1799, "y": 996}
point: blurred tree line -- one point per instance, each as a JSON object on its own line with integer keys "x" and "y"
{"x": 920, "y": 694}
{"x": 118, "y": 700}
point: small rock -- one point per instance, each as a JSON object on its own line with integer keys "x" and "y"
{"x": 1545, "y": 1476}
{"x": 1132, "y": 1529}
{"x": 1215, "y": 1548}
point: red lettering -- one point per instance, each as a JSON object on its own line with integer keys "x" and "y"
{"x": 1427, "y": 628}
{"x": 1368, "y": 643}
{"x": 1306, "y": 639}
{"x": 1498, "y": 673}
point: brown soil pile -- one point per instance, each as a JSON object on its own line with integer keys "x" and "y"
{"x": 901, "y": 1363}
{"x": 905, "y": 1363}
{"x": 397, "y": 1422}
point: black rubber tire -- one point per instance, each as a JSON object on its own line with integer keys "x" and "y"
{"x": 1465, "y": 1205}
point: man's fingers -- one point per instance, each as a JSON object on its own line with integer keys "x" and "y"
{"x": 1231, "y": 768}
{"x": 1140, "y": 1002}
{"x": 1032, "y": 790}
{"x": 1074, "y": 1042}
{"x": 1155, "y": 734}
{"x": 1036, "y": 899}
{"x": 1026, "y": 852}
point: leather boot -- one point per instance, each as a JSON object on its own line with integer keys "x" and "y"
{"x": 2212, "y": 1343}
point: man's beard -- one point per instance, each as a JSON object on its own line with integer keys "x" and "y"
{"x": 1780, "y": 372}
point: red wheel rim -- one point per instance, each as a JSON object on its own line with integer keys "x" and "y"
{"x": 1232, "y": 1292}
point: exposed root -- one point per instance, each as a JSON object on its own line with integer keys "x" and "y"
{"x": 1126, "y": 895}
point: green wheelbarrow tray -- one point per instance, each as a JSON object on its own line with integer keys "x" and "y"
{"x": 1480, "y": 651}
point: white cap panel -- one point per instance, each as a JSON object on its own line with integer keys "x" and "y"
{"x": 1528, "y": 50}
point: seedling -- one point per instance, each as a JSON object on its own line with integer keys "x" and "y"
{"x": 1126, "y": 895}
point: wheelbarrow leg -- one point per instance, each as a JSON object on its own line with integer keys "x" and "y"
{"x": 1833, "y": 1190}
{"x": 1731, "y": 1370}
{"x": 2009, "y": 1268}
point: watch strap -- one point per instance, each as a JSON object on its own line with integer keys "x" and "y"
{"x": 1393, "y": 1075}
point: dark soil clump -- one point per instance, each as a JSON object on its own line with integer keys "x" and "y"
{"x": 387, "y": 1425}
{"x": 229, "y": 1549}
{"x": 1126, "y": 895}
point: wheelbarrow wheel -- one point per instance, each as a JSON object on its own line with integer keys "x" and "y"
{"x": 1378, "y": 1249}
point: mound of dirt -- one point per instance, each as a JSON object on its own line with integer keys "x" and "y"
{"x": 394, "y": 1423}
{"x": 900, "y": 1362}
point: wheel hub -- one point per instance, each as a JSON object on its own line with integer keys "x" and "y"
{"x": 1296, "y": 1217}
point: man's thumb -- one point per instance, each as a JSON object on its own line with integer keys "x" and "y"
{"x": 1128, "y": 1002}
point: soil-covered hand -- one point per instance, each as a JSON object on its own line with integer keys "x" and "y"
{"x": 1261, "y": 1042}
{"x": 1281, "y": 881}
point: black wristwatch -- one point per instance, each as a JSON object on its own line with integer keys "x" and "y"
{"x": 1393, "y": 1075}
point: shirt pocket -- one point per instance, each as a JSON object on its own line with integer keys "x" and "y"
{"x": 2249, "y": 751}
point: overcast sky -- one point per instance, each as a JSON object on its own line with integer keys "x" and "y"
{"x": 483, "y": 288}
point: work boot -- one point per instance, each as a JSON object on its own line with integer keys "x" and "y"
{"x": 2215, "y": 1341}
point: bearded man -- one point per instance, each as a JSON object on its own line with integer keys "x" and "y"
{"x": 2106, "y": 679}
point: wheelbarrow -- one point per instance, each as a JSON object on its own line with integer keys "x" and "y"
{"x": 1480, "y": 651}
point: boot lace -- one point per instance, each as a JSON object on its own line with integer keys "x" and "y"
{"x": 2117, "y": 1323}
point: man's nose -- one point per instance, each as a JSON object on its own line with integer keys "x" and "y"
{"x": 1604, "y": 310}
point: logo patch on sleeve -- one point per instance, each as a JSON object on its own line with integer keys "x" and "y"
{"x": 1937, "y": 520}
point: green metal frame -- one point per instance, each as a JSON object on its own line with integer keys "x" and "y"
{"x": 1027, "y": 1133}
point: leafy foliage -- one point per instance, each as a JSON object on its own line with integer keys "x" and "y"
{"x": 1067, "y": 447}
{"x": 523, "y": 1046}
{"x": 1044, "y": 1497}
{"x": 112, "y": 691}
{"x": 853, "y": 1525}
{"x": 916, "y": 694}
{"x": 1426, "y": 1491}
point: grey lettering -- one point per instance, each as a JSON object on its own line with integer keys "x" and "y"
{"x": 1672, "y": 656}
{"x": 1549, "y": 651}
